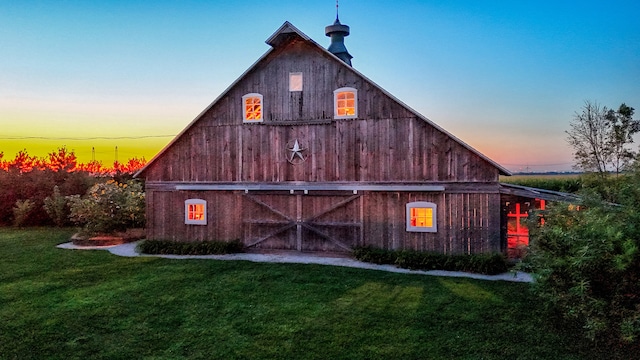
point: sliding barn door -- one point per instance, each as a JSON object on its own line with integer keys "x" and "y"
{"x": 303, "y": 222}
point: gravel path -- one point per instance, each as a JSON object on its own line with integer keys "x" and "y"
{"x": 129, "y": 250}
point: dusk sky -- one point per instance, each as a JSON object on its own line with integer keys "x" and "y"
{"x": 506, "y": 77}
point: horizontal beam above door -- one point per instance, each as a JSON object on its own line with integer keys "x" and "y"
{"x": 309, "y": 187}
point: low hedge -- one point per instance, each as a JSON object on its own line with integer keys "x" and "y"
{"x": 169, "y": 247}
{"x": 489, "y": 264}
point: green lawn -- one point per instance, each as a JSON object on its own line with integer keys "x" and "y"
{"x": 65, "y": 304}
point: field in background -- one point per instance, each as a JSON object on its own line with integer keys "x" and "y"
{"x": 559, "y": 176}
{"x": 564, "y": 182}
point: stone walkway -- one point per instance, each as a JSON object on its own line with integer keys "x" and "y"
{"x": 129, "y": 250}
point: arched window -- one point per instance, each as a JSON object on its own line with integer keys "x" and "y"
{"x": 252, "y": 108}
{"x": 345, "y": 103}
{"x": 421, "y": 216}
{"x": 195, "y": 212}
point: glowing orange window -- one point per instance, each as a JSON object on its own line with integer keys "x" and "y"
{"x": 422, "y": 217}
{"x": 195, "y": 212}
{"x": 252, "y": 108}
{"x": 517, "y": 230}
{"x": 346, "y": 104}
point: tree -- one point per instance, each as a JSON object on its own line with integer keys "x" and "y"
{"x": 3, "y": 164}
{"x": 601, "y": 137}
{"x": 623, "y": 127}
{"x": 62, "y": 160}
{"x": 23, "y": 162}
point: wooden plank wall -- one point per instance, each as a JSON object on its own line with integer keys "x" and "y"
{"x": 467, "y": 222}
{"x": 346, "y": 150}
{"x": 165, "y": 216}
{"x": 386, "y": 142}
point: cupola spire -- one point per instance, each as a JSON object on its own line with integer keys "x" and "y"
{"x": 337, "y": 33}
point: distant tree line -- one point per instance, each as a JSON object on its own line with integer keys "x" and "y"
{"x": 27, "y": 182}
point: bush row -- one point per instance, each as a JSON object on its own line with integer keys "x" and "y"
{"x": 23, "y": 195}
{"x": 490, "y": 264}
{"x": 169, "y": 247}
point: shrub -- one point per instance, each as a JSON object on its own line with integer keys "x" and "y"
{"x": 587, "y": 265}
{"x": 167, "y": 247}
{"x": 21, "y": 211}
{"x": 36, "y": 185}
{"x": 374, "y": 255}
{"x": 490, "y": 264}
{"x": 56, "y": 207}
{"x": 109, "y": 207}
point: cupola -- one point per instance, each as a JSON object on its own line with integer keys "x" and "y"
{"x": 337, "y": 33}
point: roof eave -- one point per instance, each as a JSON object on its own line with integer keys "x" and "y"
{"x": 164, "y": 149}
{"x": 502, "y": 170}
{"x": 286, "y": 28}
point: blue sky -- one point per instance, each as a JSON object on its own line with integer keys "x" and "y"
{"x": 504, "y": 76}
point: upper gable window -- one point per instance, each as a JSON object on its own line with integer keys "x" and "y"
{"x": 421, "y": 217}
{"x": 195, "y": 212}
{"x": 252, "y": 108}
{"x": 345, "y": 103}
{"x": 295, "y": 81}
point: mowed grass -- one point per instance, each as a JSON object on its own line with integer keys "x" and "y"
{"x": 79, "y": 304}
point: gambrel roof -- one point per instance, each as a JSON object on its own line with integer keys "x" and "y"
{"x": 284, "y": 35}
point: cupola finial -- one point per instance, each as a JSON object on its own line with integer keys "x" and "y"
{"x": 337, "y": 33}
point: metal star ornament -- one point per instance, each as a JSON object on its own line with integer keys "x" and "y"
{"x": 296, "y": 153}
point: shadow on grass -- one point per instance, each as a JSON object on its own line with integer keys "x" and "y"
{"x": 61, "y": 304}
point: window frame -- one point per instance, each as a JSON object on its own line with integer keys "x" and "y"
{"x": 244, "y": 108}
{"x": 434, "y": 216}
{"x": 293, "y": 80}
{"x": 189, "y": 202}
{"x": 355, "y": 103}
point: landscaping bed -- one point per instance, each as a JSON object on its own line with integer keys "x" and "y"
{"x": 117, "y": 238}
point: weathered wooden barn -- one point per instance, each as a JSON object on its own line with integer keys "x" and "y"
{"x": 303, "y": 152}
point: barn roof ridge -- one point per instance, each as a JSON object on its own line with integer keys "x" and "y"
{"x": 276, "y": 40}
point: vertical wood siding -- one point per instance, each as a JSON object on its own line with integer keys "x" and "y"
{"x": 165, "y": 216}
{"x": 467, "y": 222}
{"x": 385, "y": 143}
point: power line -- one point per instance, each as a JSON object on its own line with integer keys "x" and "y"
{"x": 531, "y": 165}
{"x": 84, "y": 138}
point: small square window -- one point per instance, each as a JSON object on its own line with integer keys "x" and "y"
{"x": 295, "y": 81}
{"x": 421, "y": 217}
{"x": 195, "y": 212}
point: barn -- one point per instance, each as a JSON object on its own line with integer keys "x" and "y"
{"x": 303, "y": 152}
